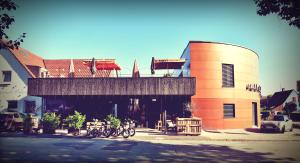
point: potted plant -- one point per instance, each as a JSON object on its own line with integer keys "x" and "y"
{"x": 114, "y": 121}
{"x": 28, "y": 124}
{"x": 50, "y": 122}
{"x": 187, "y": 109}
{"x": 75, "y": 122}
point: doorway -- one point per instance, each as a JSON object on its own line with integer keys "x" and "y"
{"x": 254, "y": 114}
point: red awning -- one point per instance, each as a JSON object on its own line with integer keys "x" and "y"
{"x": 107, "y": 64}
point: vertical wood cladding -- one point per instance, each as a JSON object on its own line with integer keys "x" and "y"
{"x": 111, "y": 86}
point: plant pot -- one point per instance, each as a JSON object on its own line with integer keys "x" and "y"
{"x": 73, "y": 131}
{"x": 28, "y": 125}
{"x": 47, "y": 130}
{"x": 28, "y": 130}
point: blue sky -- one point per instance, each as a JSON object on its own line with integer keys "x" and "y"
{"x": 142, "y": 29}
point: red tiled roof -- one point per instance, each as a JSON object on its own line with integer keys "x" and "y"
{"x": 61, "y": 68}
{"x": 28, "y": 60}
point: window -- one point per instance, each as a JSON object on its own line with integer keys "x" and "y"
{"x": 29, "y": 106}
{"x": 13, "y": 104}
{"x": 229, "y": 110}
{"x": 294, "y": 99}
{"x": 227, "y": 75}
{"x": 6, "y": 76}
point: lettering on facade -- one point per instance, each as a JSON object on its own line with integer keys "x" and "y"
{"x": 253, "y": 87}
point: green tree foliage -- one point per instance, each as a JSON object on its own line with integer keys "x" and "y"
{"x": 51, "y": 121}
{"x": 5, "y": 23}
{"x": 75, "y": 121}
{"x": 290, "y": 107}
{"x": 115, "y": 122}
{"x": 288, "y": 10}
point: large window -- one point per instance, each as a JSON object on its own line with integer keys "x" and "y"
{"x": 12, "y": 104}
{"x": 6, "y": 76}
{"x": 227, "y": 75}
{"x": 229, "y": 110}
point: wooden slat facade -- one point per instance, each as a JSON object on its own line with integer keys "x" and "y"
{"x": 112, "y": 86}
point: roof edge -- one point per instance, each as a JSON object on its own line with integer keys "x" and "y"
{"x": 213, "y": 42}
{"x": 26, "y": 68}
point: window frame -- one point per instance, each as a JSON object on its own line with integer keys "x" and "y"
{"x": 232, "y": 85}
{"x": 5, "y": 74}
{"x": 8, "y": 104}
{"x": 233, "y": 111}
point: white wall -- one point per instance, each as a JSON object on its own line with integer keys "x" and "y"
{"x": 17, "y": 89}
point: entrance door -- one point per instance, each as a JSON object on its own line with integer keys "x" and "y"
{"x": 254, "y": 114}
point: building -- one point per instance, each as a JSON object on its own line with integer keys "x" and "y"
{"x": 16, "y": 66}
{"x": 282, "y": 98}
{"x": 227, "y": 84}
{"x": 218, "y": 82}
{"x": 298, "y": 90}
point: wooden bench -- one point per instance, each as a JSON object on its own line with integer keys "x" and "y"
{"x": 189, "y": 126}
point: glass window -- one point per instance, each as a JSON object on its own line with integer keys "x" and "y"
{"x": 12, "y": 104}
{"x": 6, "y": 76}
{"x": 227, "y": 75}
{"x": 229, "y": 110}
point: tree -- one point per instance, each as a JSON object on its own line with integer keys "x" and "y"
{"x": 5, "y": 22}
{"x": 288, "y": 10}
{"x": 290, "y": 107}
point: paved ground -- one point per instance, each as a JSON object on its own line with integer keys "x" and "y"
{"x": 253, "y": 134}
{"x": 151, "y": 146}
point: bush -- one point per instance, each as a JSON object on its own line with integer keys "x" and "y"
{"x": 75, "y": 121}
{"x": 115, "y": 122}
{"x": 50, "y": 122}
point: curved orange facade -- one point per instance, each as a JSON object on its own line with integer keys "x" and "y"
{"x": 206, "y": 59}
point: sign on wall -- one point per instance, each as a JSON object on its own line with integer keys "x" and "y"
{"x": 253, "y": 88}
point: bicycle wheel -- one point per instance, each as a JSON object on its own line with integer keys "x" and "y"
{"x": 132, "y": 131}
{"x": 106, "y": 133}
{"x": 125, "y": 133}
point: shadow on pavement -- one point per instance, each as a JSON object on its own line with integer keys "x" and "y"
{"x": 255, "y": 130}
{"x": 39, "y": 135}
{"x": 258, "y": 130}
{"x": 206, "y": 153}
{"x": 105, "y": 150}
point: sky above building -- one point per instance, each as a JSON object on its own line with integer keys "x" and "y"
{"x": 135, "y": 29}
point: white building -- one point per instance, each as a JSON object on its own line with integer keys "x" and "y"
{"x": 16, "y": 66}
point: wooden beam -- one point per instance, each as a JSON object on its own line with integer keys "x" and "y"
{"x": 112, "y": 86}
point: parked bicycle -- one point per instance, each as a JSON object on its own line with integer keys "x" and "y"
{"x": 123, "y": 130}
{"x": 131, "y": 127}
{"x": 95, "y": 128}
{"x": 107, "y": 129}
{"x": 91, "y": 128}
